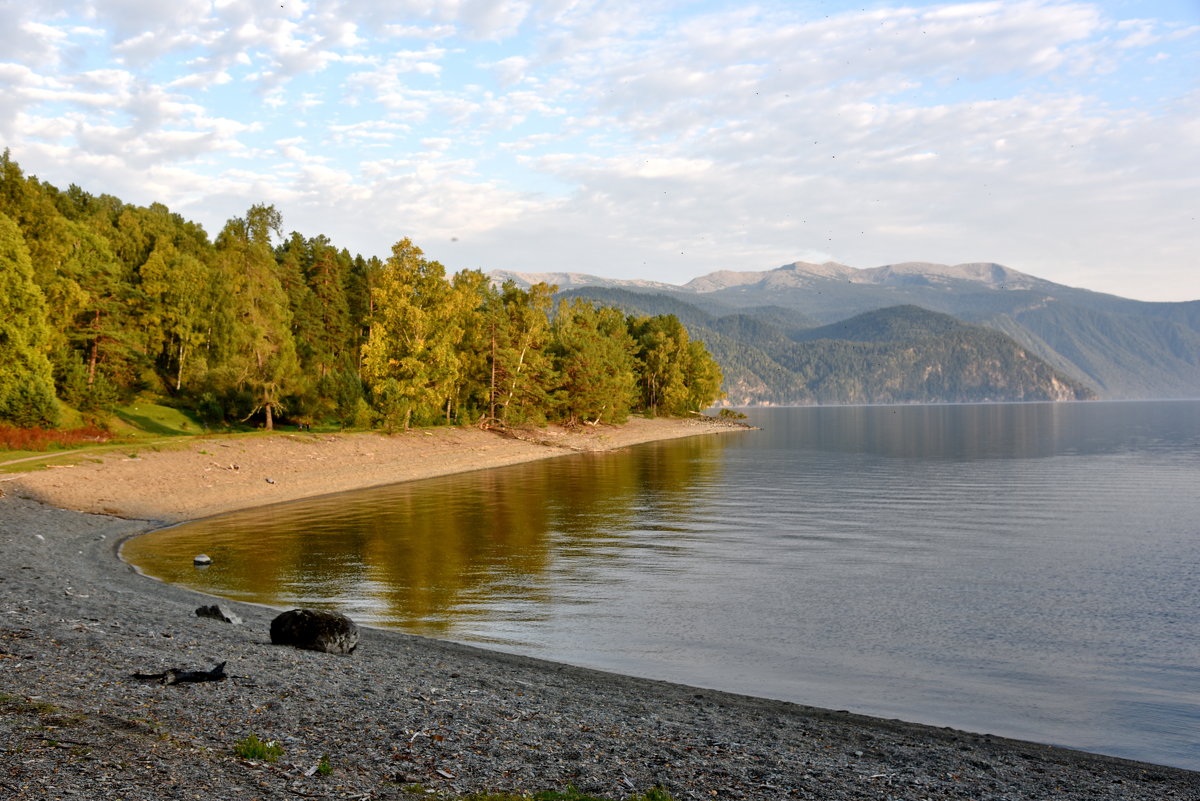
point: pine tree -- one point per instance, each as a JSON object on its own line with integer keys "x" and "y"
{"x": 593, "y": 357}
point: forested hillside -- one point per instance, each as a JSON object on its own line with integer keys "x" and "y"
{"x": 1119, "y": 347}
{"x": 902, "y": 354}
{"x": 102, "y": 301}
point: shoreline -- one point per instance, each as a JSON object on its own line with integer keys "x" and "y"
{"x": 204, "y": 476}
{"x": 76, "y": 623}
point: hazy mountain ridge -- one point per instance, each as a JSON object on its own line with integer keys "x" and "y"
{"x": 1122, "y": 348}
{"x": 569, "y": 280}
{"x": 896, "y": 355}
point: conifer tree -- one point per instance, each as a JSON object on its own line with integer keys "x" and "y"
{"x": 593, "y": 357}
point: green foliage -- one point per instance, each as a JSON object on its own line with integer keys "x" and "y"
{"x": 676, "y": 375}
{"x": 593, "y": 356}
{"x": 250, "y": 747}
{"x": 509, "y": 369}
{"x": 26, "y": 382}
{"x": 325, "y": 767}
{"x": 263, "y": 359}
{"x": 104, "y": 303}
{"x": 410, "y": 357}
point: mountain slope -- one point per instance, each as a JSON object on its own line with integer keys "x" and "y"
{"x": 1124, "y": 348}
{"x": 907, "y": 354}
{"x": 896, "y": 355}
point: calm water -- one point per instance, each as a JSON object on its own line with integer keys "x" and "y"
{"x": 1026, "y": 570}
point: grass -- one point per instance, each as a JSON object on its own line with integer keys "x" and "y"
{"x": 250, "y": 747}
{"x": 145, "y": 418}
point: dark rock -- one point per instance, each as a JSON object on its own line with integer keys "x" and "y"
{"x": 315, "y": 630}
{"x": 219, "y": 612}
{"x": 202, "y": 560}
{"x": 181, "y": 676}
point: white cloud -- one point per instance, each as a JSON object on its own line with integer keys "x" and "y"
{"x": 608, "y": 134}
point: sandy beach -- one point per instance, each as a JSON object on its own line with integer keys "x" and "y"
{"x": 404, "y": 716}
{"x": 208, "y": 476}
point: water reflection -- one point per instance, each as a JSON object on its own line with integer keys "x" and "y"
{"x": 1027, "y": 570}
{"x": 983, "y": 431}
{"x": 442, "y": 556}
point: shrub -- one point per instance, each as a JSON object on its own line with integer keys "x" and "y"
{"x": 253, "y": 748}
{"x": 42, "y": 439}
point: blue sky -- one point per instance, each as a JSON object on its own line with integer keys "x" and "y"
{"x": 659, "y": 140}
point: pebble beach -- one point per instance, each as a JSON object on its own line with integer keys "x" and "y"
{"x": 403, "y": 716}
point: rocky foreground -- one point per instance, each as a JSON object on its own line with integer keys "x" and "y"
{"x": 404, "y": 716}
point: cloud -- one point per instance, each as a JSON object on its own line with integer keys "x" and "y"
{"x": 1053, "y": 135}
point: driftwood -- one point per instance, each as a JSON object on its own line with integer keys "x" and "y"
{"x": 181, "y": 676}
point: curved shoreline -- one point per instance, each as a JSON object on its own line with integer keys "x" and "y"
{"x": 76, "y": 623}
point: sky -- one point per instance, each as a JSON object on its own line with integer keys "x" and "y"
{"x": 646, "y": 139}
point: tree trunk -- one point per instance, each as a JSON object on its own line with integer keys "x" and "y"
{"x": 95, "y": 354}
{"x": 492, "y": 389}
{"x": 179, "y": 373}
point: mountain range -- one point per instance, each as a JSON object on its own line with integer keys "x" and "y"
{"x": 831, "y": 333}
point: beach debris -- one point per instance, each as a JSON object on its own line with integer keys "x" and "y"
{"x": 181, "y": 676}
{"x": 270, "y": 481}
{"x": 219, "y": 612}
{"x": 202, "y": 560}
{"x": 315, "y": 630}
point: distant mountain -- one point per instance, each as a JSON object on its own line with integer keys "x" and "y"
{"x": 566, "y": 281}
{"x": 897, "y": 355}
{"x": 1120, "y": 347}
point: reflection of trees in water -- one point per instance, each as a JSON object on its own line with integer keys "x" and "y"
{"x": 429, "y": 554}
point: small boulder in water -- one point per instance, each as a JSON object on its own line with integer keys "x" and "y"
{"x": 315, "y": 630}
{"x": 202, "y": 560}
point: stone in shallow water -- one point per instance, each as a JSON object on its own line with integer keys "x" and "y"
{"x": 315, "y": 630}
{"x": 202, "y": 560}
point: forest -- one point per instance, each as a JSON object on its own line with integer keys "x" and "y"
{"x": 102, "y": 302}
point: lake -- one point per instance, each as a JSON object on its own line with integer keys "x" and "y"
{"x": 1028, "y": 570}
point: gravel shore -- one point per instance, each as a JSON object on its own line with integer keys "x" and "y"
{"x": 405, "y": 716}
